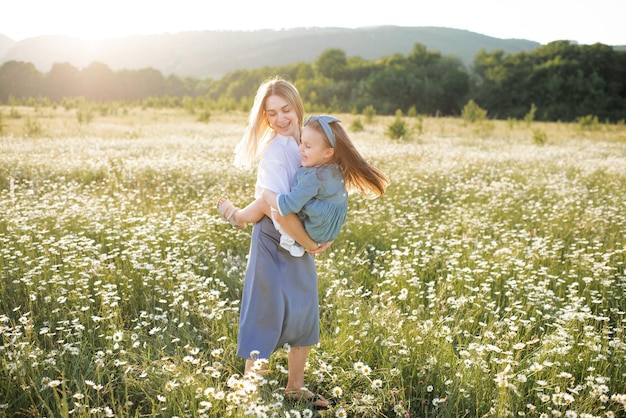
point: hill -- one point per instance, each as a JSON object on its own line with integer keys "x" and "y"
{"x": 211, "y": 54}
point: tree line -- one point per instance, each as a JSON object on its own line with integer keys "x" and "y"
{"x": 561, "y": 80}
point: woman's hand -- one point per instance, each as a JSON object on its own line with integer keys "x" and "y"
{"x": 320, "y": 248}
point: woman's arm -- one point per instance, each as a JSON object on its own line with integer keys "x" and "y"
{"x": 290, "y": 223}
{"x": 294, "y": 227}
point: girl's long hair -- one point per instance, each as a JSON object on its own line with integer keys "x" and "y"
{"x": 358, "y": 174}
{"x": 258, "y": 131}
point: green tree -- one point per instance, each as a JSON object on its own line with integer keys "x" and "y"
{"x": 62, "y": 81}
{"x": 20, "y": 80}
{"x": 332, "y": 63}
{"x": 98, "y": 82}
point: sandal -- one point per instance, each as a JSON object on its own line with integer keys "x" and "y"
{"x": 227, "y": 210}
{"x": 306, "y": 395}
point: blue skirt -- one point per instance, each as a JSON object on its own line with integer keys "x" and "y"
{"x": 280, "y": 303}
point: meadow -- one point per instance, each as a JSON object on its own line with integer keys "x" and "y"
{"x": 487, "y": 282}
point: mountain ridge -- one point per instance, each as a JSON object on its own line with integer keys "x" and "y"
{"x": 211, "y": 54}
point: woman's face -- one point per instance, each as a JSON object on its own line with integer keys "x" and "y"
{"x": 313, "y": 148}
{"x": 281, "y": 116}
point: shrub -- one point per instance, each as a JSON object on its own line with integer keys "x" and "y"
{"x": 32, "y": 127}
{"x": 473, "y": 113}
{"x": 369, "y": 112}
{"x": 420, "y": 124}
{"x": 204, "y": 116}
{"x": 398, "y": 128}
{"x": 356, "y": 125}
{"x": 84, "y": 114}
{"x": 588, "y": 123}
{"x": 14, "y": 114}
{"x": 530, "y": 116}
{"x": 539, "y": 137}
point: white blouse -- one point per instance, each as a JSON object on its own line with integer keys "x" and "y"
{"x": 277, "y": 168}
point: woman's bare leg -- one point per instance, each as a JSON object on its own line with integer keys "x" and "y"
{"x": 295, "y": 380}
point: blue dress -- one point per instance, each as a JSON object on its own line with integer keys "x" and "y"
{"x": 280, "y": 302}
{"x": 320, "y": 199}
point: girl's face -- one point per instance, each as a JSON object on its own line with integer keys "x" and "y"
{"x": 314, "y": 148}
{"x": 282, "y": 117}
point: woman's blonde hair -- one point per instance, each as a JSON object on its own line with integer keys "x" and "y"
{"x": 258, "y": 132}
{"x": 358, "y": 174}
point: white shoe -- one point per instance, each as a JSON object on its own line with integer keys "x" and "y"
{"x": 288, "y": 243}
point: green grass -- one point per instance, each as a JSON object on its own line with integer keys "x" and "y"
{"x": 488, "y": 281}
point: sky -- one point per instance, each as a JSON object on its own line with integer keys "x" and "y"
{"x": 543, "y": 21}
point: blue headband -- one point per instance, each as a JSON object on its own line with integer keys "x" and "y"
{"x": 324, "y": 121}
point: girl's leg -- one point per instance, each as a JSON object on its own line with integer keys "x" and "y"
{"x": 252, "y": 213}
{"x": 240, "y": 217}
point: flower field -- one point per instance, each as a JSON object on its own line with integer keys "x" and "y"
{"x": 488, "y": 281}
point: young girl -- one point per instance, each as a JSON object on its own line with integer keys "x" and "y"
{"x": 331, "y": 165}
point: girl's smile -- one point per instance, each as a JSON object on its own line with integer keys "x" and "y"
{"x": 314, "y": 148}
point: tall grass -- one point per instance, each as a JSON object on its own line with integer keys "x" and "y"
{"x": 488, "y": 281}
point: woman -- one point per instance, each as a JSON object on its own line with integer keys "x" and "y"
{"x": 280, "y": 300}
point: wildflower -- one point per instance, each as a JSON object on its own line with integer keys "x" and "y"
{"x": 562, "y": 399}
{"x": 108, "y": 412}
{"x": 437, "y": 401}
{"x": 161, "y": 398}
{"x": 358, "y": 366}
{"x": 341, "y": 413}
{"x": 307, "y": 413}
{"x": 259, "y": 365}
{"x": 571, "y": 414}
{"x": 337, "y": 392}
{"x": 377, "y": 384}
{"x": 117, "y": 336}
{"x": 171, "y": 385}
{"x": 619, "y": 397}
{"x": 54, "y": 383}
